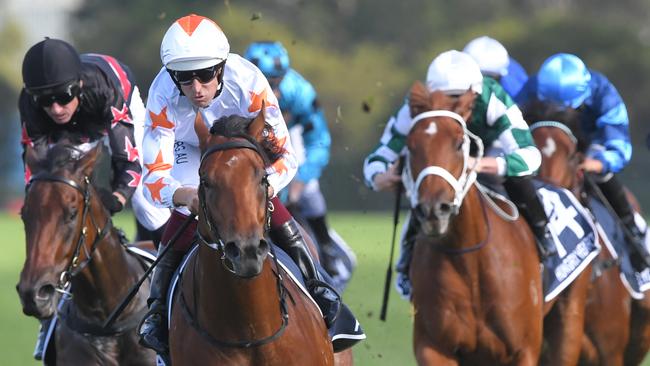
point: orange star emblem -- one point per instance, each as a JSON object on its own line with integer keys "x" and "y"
{"x": 158, "y": 164}
{"x": 155, "y": 189}
{"x": 160, "y": 119}
{"x": 257, "y": 99}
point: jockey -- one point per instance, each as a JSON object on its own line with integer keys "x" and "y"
{"x": 305, "y": 118}
{"x": 495, "y": 118}
{"x": 85, "y": 98}
{"x": 494, "y": 61}
{"x": 199, "y": 75}
{"x": 565, "y": 81}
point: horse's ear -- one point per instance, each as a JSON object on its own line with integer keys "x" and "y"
{"x": 202, "y": 131}
{"x": 419, "y": 99}
{"x": 86, "y": 163}
{"x": 465, "y": 104}
{"x": 33, "y": 158}
{"x": 256, "y": 128}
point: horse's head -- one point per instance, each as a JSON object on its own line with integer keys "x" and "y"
{"x": 438, "y": 146}
{"x": 557, "y": 135}
{"x": 55, "y": 214}
{"x": 233, "y": 194}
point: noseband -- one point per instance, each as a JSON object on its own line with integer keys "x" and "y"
{"x": 74, "y": 266}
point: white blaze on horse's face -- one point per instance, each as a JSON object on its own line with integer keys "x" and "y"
{"x": 549, "y": 148}
{"x": 432, "y": 129}
{"x": 232, "y": 161}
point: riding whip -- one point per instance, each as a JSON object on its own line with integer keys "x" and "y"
{"x": 134, "y": 290}
{"x": 389, "y": 270}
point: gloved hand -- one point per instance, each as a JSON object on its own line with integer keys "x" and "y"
{"x": 110, "y": 201}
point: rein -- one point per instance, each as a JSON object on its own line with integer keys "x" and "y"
{"x": 74, "y": 267}
{"x": 218, "y": 245}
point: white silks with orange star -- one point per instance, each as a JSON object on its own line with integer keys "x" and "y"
{"x": 170, "y": 124}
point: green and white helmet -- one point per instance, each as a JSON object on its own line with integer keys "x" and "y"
{"x": 454, "y": 72}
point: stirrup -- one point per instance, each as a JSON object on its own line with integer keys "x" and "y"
{"x": 313, "y": 284}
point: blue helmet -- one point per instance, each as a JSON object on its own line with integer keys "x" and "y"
{"x": 563, "y": 78}
{"x": 270, "y": 57}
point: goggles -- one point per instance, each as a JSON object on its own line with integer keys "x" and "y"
{"x": 204, "y": 76}
{"x": 62, "y": 96}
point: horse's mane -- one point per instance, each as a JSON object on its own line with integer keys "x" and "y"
{"x": 540, "y": 111}
{"x": 237, "y": 127}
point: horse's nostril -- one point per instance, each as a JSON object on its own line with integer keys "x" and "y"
{"x": 45, "y": 293}
{"x": 231, "y": 250}
{"x": 263, "y": 248}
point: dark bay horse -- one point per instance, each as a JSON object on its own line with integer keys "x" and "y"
{"x": 616, "y": 326}
{"x": 477, "y": 288}
{"x": 73, "y": 248}
{"x": 234, "y": 305}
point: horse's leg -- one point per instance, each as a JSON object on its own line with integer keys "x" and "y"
{"x": 75, "y": 349}
{"x": 344, "y": 358}
{"x": 564, "y": 325}
{"x": 426, "y": 352}
{"x": 639, "y": 333}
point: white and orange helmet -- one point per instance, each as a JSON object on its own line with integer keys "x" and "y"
{"x": 193, "y": 42}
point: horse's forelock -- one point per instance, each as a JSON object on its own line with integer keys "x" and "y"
{"x": 237, "y": 127}
{"x": 58, "y": 157}
{"x": 540, "y": 111}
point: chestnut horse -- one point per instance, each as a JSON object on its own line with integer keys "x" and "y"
{"x": 73, "y": 249}
{"x": 613, "y": 335}
{"x": 235, "y": 306}
{"x": 477, "y": 289}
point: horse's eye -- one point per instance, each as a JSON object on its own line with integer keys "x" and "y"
{"x": 459, "y": 145}
{"x": 71, "y": 214}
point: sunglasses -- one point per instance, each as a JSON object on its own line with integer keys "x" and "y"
{"x": 61, "y": 97}
{"x": 204, "y": 76}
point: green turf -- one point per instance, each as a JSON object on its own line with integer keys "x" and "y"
{"x": 388, "y": 343}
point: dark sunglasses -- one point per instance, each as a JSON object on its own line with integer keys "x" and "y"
{"x": 204, "y": 76}
{"x": 61, "y": 97}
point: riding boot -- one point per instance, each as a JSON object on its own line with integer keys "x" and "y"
{"x": 403, "y": 281}
{"x": 615, "y": 194}
{"x": 39, "y": 349}
{"x": 288, "y": 237}
{"x": 522, "y": 192}
{"x": 325, "y": 245}
{"x": 153, "y": 331}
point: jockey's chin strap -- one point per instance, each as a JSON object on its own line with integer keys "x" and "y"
{"x": 462, "y": 184}
{"x": 74, "y": 266}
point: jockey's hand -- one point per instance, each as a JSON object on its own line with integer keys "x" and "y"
{"x": 592, "y": 165}
{"x": 486, "y": 165}
{"x": 188, "y": 197}
{"x": 387, "y": 180}
{"x": 295, "y": 191}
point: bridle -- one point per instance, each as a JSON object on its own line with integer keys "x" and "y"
{"x": 74, "y": 266}
{"x": 460, "y": 185}
{"x": 216, "y": 243}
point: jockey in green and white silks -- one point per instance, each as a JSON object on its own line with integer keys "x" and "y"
{"x": 496, "y": 119}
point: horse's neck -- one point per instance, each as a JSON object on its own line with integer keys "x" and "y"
{"x": 223, "y": 302}
{"x": 99, "y": 287}
{"x": 469, "y": 228}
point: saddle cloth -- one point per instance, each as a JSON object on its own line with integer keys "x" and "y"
{"x": 574, "y": 234}
{"x": 612, "y": 234}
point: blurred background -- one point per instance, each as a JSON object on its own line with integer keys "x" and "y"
{"x": 361, "y": 56}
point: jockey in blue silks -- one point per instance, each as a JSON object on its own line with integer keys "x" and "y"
{"x": 494, "y": 61}
{"x": 565, "y": 81}
{"x": 311, "y": 138}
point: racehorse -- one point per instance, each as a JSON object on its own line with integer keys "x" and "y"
{"x": 235, "y": 306}
{"x": 73, "y": 249}
{"x": 477, "y": 290}
{"x": 617, "y": 327}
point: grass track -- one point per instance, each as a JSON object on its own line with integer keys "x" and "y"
{"x": 388, "y": 343}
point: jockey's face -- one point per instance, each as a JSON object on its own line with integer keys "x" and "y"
{"x": 62, "y": 114}
{"x": 201, "y": 92}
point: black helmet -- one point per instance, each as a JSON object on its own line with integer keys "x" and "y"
{"x": 49, "y": 64}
